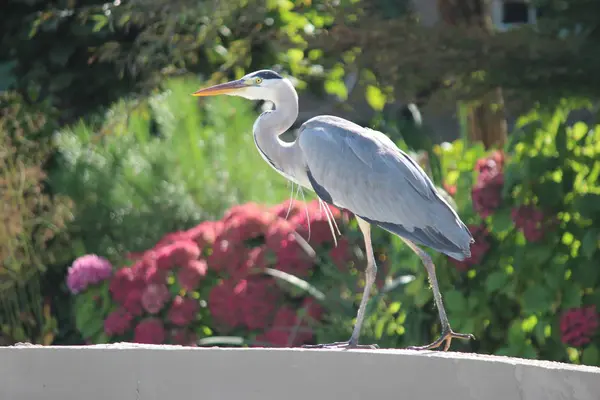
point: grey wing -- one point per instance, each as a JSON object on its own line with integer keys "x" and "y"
{"x": 364, "y": 172}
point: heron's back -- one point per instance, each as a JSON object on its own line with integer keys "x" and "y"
{"x": 363, "y": 171}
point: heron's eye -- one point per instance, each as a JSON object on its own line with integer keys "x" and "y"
{"x": 258, "y": 80}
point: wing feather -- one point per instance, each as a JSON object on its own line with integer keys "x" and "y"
{"x": 363, "y": 171}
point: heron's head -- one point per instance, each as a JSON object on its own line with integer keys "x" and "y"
{"x": 259, "y": 85}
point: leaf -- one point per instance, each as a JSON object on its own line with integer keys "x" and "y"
{"x": 375, "y": 98}
{"x": 495, "y": 281}
{"x": 502, "y": 220}
{"x": 455, "y": 301}
{"x": 589, "y": 243}
{"x": 571, "y": 296}
{"x": 588, "y": 204}
{"x": 336, "y": 87}
{"x": 529, "y": 323}
{"x": 536, "y": 300}
{"x": 591, "y": 355}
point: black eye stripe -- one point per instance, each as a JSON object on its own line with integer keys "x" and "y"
{"x": 267, "y": 74}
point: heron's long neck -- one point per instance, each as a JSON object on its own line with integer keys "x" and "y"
{"x": 270, "y": 125}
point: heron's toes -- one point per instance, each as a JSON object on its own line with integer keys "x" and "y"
{"x": 445, "y": 338}
{"x": 340, "y": 345}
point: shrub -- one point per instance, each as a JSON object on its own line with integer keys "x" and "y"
{"x": 31, "y": 222}
{"x": 530, "y": 288}
{"x": 250, "y": 274}
{"x": 158, "y": 165}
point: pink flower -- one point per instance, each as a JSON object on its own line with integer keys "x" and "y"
{"x": 478, "y": 249}
{"x": 146, "y": 271}
{"x": 292, "y": 258}
{"x": 206, "y": 233}
{"x": 223, "y": 305}
{"x": 487, "y": 192}
{"x": 341, "y": 254}
{"x": 189, "y": 274}
{"x": 176, "y": 254}
{"x": 184, "y": 337}
{"x": 284, "y": 210}
{"x": 149, "y": 331}
{"x": 287, "y": 330}
{"x": 578, "y": 325}
{"x": 117, "y": 322}
{"x": 123, "y": 282}
{"x": 88, "y": 270}
{"x": 258, "y": 299}
{"x": 133, "y": 302}
{"x": 227, "y": 256}
{"x": 171, "y": 238}
{"x": 182, "y": 311}
{"x": 531, "y": 221}
{"x": 313, "y": 309}
{"x": 315, "y": 228}
{"x": 154, "y": 297}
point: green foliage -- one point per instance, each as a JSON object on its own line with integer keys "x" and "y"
{"x": 556, "y": 58}
{"x": 159, "y": 165}
{"x": 514, "y": 299}
{"x": 107, "y": 50}
{"x": 32, "y": 223}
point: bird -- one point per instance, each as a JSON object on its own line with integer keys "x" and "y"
{"x": 360, "y": 170}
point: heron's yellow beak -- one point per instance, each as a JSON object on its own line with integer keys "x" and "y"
{"x": 222, "y": 88}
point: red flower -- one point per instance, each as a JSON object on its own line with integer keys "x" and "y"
{"x": 450, "y": 189}
{"x": 227, "y": 256}
{"x": 123, "y": 282}
{"x": 277, "y": 232}
{"x": 341, "y": 254}
{"x": 206, "y": 233}
{"x": 256, "y": 259}
{"x": 182, "y": 311}
{"x": 313, "y": 309}
{"x": 288, "y": 209}
{"x": 292, "y": 258}
{"x": 531, "y": 221}
{"x": 133, "y": 302}
{"x": 240, "y": 227}
{"x": 578, "y": 325}
{"x": 487, "y": 192}
{"x": 162, "y": 257}
{"x": 315, "y": 228}
{"x": 478, "y": 249}
{"x": 149, "y": 331}
{"x": 258, "y": 299}
{"x": 147, "y": 271}
{"x": 223, "y": 305}
{"x": 117, "y": 322}
{"x": 184, "y": 251}
{"x": 171, "y": 238}
{"x": 287, "y": 330}
{"x": 184, "y": 337}
{"x": 190, "y": 274}
{"x": 154, "y": 297}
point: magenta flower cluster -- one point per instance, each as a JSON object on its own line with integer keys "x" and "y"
{"x": 88, "y": 270}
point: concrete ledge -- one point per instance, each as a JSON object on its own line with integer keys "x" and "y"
{"x": 136, "y": 372}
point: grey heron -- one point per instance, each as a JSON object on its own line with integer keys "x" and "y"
{"x": 360, "y": 170}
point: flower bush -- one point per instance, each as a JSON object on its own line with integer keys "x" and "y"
{"x": 217, "y": 278}
{"x": 530, "y": 288}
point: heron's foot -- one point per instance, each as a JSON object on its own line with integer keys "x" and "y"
{"x": 341, "y": 345}
{"x": 445, "y": 338}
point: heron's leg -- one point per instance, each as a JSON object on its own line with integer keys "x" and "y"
{"x": 370, "y": 274}
{"x": 447, "y": 333}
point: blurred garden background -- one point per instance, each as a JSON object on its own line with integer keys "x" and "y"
{"x": 131, "y": 211}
